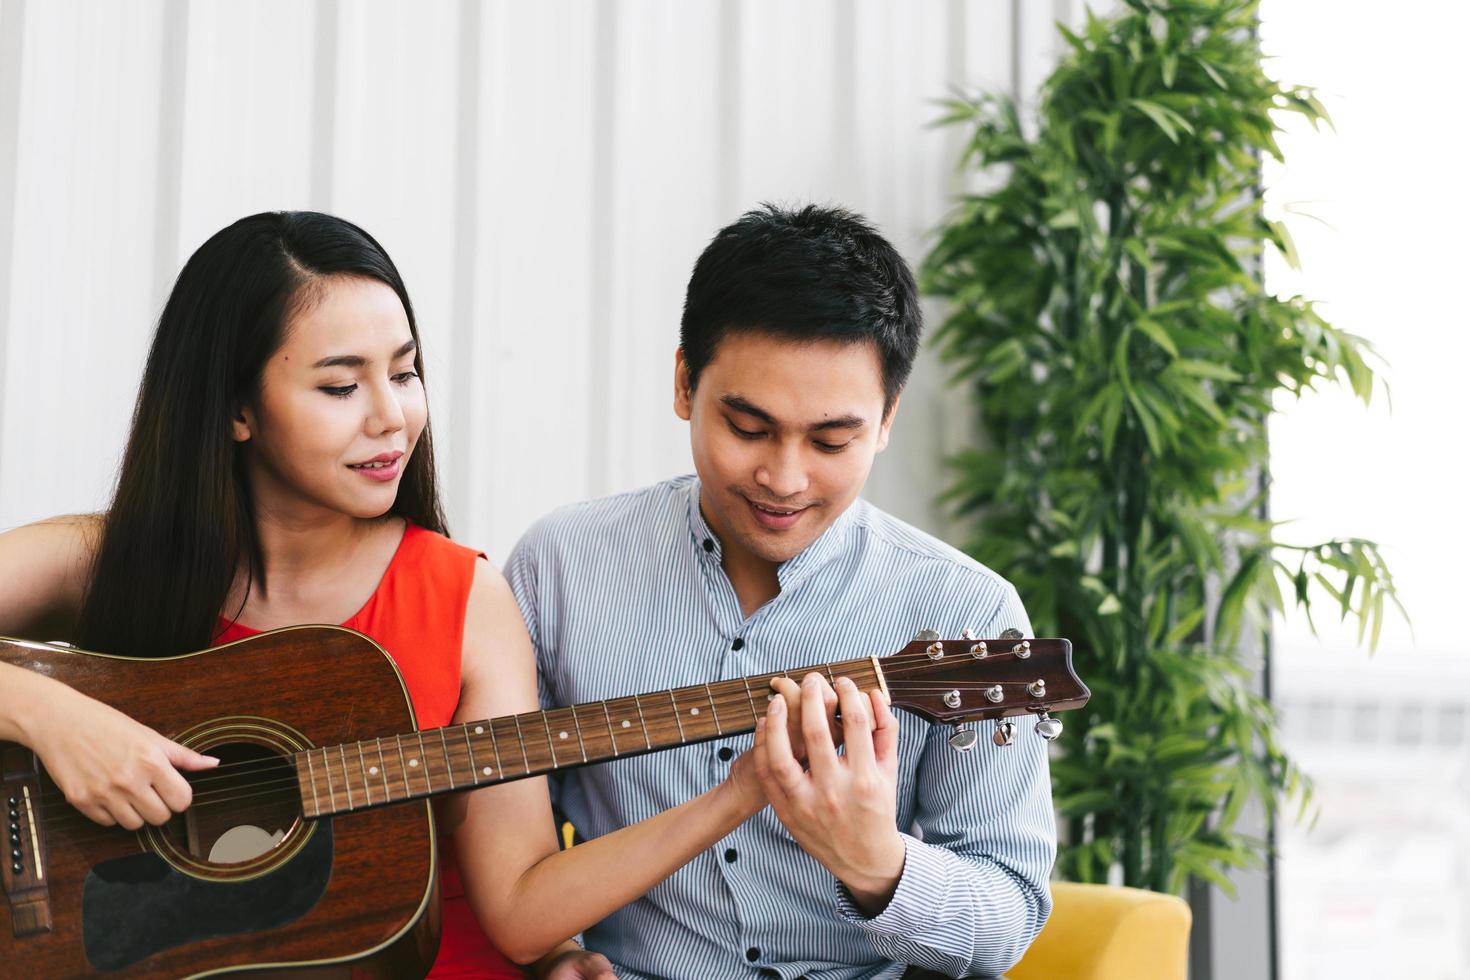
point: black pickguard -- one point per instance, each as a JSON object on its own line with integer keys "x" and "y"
{"x": 137, "y": 906}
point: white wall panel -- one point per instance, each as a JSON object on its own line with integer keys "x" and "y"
{"x": 247, "y": 139}
{"x": 543, "y": 173}
{"x": 389, "y": 137}
{"x": 81, "y": 297}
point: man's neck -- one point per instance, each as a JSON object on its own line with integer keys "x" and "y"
{"x": 753, "y": 578}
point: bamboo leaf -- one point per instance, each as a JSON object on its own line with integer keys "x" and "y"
{"x": 1171, "y": 122}
{"x": 1155, "y": 332}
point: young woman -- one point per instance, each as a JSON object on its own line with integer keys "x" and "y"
{"x": 280, "y": 471}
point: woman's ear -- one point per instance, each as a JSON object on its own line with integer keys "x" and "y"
{"x": 242, "y": 425}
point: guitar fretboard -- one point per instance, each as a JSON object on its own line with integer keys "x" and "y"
{"x": 356, "y": 776}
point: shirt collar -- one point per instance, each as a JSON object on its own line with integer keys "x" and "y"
{"x": 790, "y": 573}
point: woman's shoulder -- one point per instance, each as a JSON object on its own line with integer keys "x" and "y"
{"x": 423, "y": 543}
{"x": 65, "y": 544}
{"x": 49, "y": 564}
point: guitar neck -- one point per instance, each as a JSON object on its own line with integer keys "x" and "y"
{"x": 357, "y": 776}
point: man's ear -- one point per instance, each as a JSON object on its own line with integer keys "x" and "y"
{"x": 683, "y": 393}
{"x": 887, "y": 423}
{"x": 242, "y": 424}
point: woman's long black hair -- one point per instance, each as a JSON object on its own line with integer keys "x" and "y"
{"x": 181, "y": 524}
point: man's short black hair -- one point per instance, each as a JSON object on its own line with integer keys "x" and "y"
{"x": 818, "y": 273}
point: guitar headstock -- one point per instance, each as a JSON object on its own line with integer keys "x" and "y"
{"x": 952, "y": 681}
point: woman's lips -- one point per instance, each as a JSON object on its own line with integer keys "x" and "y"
{"x": 381, "y": 468}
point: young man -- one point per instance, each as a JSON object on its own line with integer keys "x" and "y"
{"x": 799, "y": 330}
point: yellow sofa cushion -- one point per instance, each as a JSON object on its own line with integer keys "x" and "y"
{"x": 1098, "y": 932}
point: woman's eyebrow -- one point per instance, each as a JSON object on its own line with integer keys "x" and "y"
{"x": 357, "y": 360}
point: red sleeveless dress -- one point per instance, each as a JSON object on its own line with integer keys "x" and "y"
{"x": 417, "y": 614}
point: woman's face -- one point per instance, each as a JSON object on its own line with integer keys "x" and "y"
{"x": 340, "y": 405}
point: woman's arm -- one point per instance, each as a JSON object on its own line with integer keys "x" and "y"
{"x": 111, "y": 768}
{"x": 527, "y": 894}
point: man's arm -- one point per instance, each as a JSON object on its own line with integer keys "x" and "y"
{"x": 971, "y": 895}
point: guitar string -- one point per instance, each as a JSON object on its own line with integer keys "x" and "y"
{"x": 727, "y": 700}
{"x": 285, "y": 789}
{"x": 719, "y": 701}
{"x": 733, "y": 701}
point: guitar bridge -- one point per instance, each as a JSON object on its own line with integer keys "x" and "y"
{"x": 23, "y": 873}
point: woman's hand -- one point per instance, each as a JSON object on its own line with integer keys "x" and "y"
{"x": 572, "y": 962}
{"x": 111, "y": 768}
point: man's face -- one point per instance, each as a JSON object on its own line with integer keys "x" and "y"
{"x": 783, "y": 434}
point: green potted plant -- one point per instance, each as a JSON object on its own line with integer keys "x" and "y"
{"x": 1106, "y": 306}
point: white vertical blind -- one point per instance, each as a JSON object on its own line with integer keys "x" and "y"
{"x": 544, "y": 174}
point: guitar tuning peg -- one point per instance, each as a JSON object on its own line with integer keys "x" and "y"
{"x": 1048, "y": 727}
{"x": 1010, "y": 634}
{"x": 963, "y": 739}
{"x": 927, "y": 636}
{"x": 1005, "y": 732}
{"x": 967, "y": 634}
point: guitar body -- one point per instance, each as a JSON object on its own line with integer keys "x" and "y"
{"x": 310, "y": 849}
{"x": 241, "y": 883}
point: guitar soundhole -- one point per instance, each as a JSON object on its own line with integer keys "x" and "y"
{"x": 242, "y": 809}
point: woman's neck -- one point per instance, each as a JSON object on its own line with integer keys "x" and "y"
{"x": 316, "y": 564}
{"x": 298, "y": 549}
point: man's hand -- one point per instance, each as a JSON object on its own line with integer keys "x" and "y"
{"x": 575, "y": 964}
{"x": 843, "y": 810}
{"x": 744, "y": 778}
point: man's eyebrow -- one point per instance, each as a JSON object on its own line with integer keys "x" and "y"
{"x": 739, "y": 404}
{"x": 357, "y": 360}
{"x": 743, "y": 406}
{"x": 840, "y": 422}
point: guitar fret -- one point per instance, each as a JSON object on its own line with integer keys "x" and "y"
{"x": 495, "y": 747}
{"x": 403, "y": 768}
{"x": 577, "y": 724}
{"x": 346, "y": 781}
{"x": 424, "y": 763}
{"x": 550, "y": 743}
{"x": 677, "y": 720}
{"x": 750, "y": 698}
{"x": 637, "y": 703}
{"x": 522, "y": 739}
{"x": 470, "y": 748}
{"x": 327, "y": 770}
{"x": 611, "y": 735}
{"x": 362, "y": 767}
{"x": 714, "y": 712}
{"x": 448, "y": 765}
{"x": 316, "y": 803}
{"x": 383, "y": 770}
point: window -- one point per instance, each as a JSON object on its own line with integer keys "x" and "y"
{"x": 1380, "y": 886}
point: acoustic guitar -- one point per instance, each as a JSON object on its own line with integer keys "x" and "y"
{"x": 311, "y": 846}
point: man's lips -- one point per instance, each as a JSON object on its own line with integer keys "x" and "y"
{"x": 773, "y": 517}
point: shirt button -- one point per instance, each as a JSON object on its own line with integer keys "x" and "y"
{"x": 730, "y": 855}
{"x": 709, "y": 545}
{"x": 739, "y": 643}
{"x": 726, "y": 753}
{"x": 753, "y": 953}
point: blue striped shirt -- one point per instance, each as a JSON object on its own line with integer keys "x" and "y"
{"x": 627, "y": 594}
